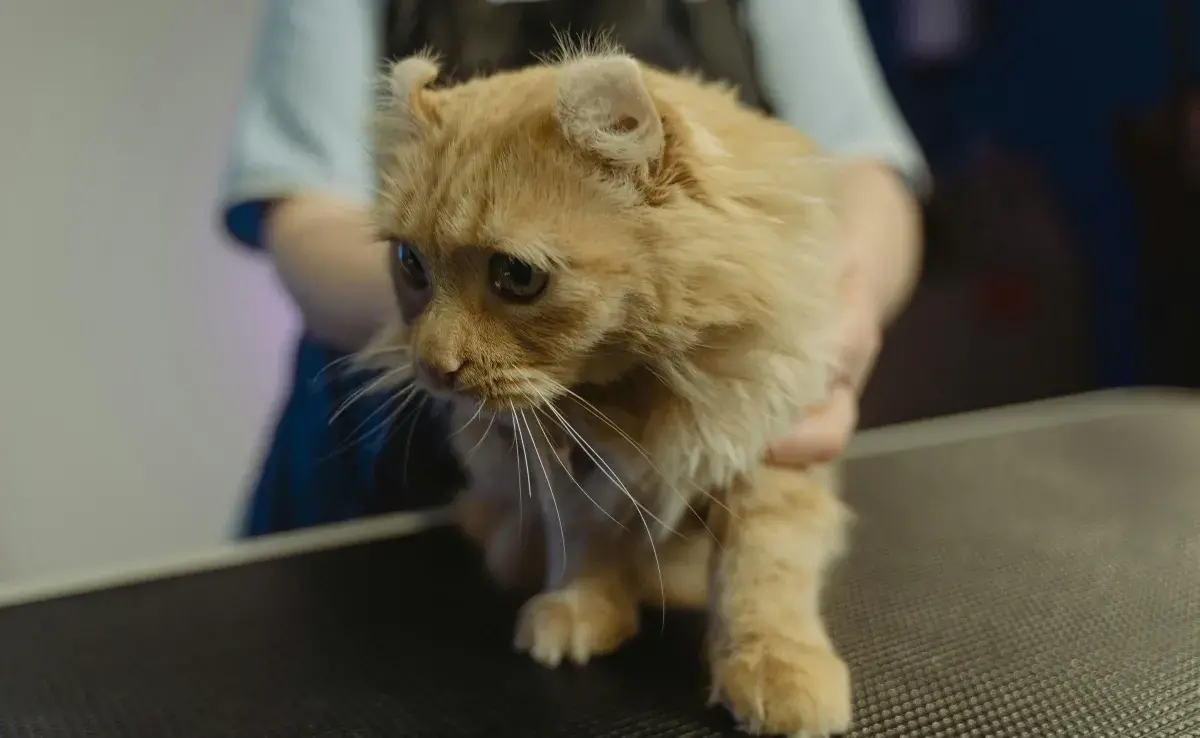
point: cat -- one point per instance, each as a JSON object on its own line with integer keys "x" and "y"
{"x": 624, "y": 282}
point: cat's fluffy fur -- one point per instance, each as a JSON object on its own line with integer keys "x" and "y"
{"x": 685, "y": 325}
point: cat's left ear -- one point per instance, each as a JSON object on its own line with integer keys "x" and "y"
{"x": 603, "y": 106}
{"x": 407, "y": 107}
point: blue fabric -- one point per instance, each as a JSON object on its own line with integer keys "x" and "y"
{"x": 244, "y": 221}
{"x": 300, "y": 128}
{"x": 319, "y": 470}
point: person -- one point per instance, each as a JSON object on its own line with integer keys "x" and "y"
{"x": 299, "y": 188}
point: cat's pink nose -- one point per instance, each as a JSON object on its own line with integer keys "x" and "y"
{"x": 442, "y": 375}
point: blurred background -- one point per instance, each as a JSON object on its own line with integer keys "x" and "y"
{"x": 143, "y": 357}
{"x": 1065, "y": 139}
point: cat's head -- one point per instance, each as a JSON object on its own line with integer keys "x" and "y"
{"x": 539, "y": 223}
{"x": 515, "y": 208}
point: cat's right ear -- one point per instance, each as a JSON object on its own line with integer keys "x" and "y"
{"x": 603, "y": 106}
{"x": 407, "y": 107}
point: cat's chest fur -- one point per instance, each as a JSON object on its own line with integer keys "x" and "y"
{"x": 590, "y": 465}
{"x": 509, "y": 457}
{"x": 574, "y": 487}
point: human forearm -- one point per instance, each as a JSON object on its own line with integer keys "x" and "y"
{"x": 328, "y": 258}
{"x": 881, "y": 223}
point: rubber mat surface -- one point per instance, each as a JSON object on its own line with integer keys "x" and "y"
{"x": 1041, "y": 584}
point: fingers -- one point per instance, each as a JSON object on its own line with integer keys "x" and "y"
{"x": 823, "y": 434}
{"x": 859, "y": 334}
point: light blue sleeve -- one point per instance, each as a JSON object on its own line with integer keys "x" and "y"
{"x": 302, "y": 125}
{"x": 820, "y": 71}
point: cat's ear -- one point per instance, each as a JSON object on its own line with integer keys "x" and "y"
{"x": 603, "y": 106}
{"x": 407, "y": 107}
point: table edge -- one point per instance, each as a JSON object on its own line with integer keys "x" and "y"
{"x": 1015, "y": 418}
{"x": 874, "y": 442}
{"x": 226, "y": 555}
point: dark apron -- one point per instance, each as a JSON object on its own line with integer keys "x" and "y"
{"x": 476, "y": 36}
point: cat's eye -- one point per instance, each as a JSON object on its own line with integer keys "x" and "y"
{"x": 409, "y": 266}
{"x": 515, "y": 280}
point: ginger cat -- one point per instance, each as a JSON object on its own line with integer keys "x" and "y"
{"x": 623, "y": 282}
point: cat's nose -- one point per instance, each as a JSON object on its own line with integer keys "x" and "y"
{"x": 442, "y": 374}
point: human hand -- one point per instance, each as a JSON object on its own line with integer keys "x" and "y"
{"x": 881, "y": 231}
{"x": 823, "y": 434}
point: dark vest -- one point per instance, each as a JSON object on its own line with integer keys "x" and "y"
{"x": 476, "y": 36}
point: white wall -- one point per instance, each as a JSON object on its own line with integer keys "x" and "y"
{"x": 140, "y": 356}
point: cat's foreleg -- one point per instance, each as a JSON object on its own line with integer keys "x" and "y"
{"x": 773, "y": 664}
{"x": 591, "y": 614}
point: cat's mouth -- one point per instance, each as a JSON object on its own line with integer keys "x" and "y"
{"x": 495, "y": 391}
{"x": 491, "y": 400}
{"x": 502, "y": 403}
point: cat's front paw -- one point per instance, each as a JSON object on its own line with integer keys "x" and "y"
{"x": 574, "y": 623}
{"x": 775, "y": 686}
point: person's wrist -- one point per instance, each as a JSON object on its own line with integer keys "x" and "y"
{"x": 881, "y": 218}
{"x": 335, "y": 269}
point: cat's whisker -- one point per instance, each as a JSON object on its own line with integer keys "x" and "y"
{"x": 406, "y": 395}
{"x": 637, "y": 447}
{"x": 605, "y": 468}
{"x": 338, "y": 362}
{"x": 415, "y": 422}
{"x": 550, "y": 444}
{"x": 378, "y": 383}
{"x": 641, "y": 450}
{"x": 355, "y": 396}
{"x": 355, "y": 361}
{"x": 482, "y": 438}
{"x": 354, "y": 441}
{"x": 655, "y": 373}
{"x": 461, "y": 428}
{"x": 562, "y": 532}
{"x": 637, "y": 506}
{"x": 519, "y": 444}
{"x": 519, "y": 439}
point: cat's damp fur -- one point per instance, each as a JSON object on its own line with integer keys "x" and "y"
{"x": 686, "y": 323}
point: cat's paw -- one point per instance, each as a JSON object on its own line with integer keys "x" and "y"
{"x": 775, "y": 686}
{"x": 575, "y": 623}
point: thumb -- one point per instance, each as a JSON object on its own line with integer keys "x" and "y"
{"x": 823, "y": 434}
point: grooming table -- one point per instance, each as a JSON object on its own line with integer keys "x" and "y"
{"x": 1030, "y": 571}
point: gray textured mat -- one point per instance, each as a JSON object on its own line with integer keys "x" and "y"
{"x": 1045, "y": 583}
